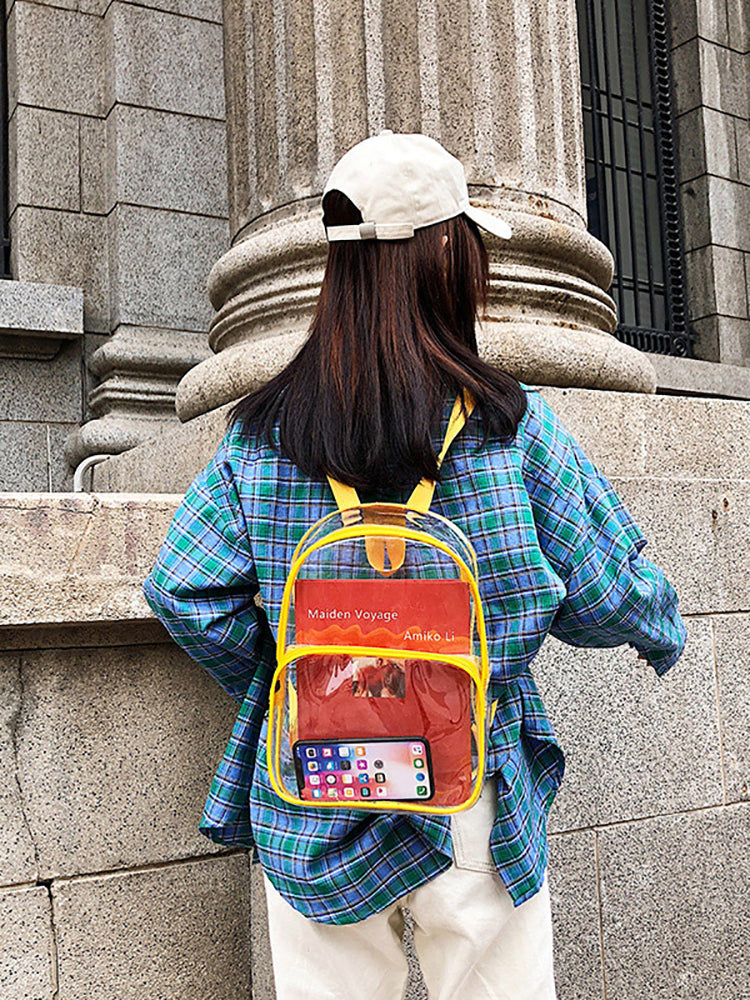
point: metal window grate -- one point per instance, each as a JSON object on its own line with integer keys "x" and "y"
{"x": 4, "y": 219}
{"x": 631, "y": 176}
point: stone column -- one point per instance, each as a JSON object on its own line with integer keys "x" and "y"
{"x": 497, "y": 82}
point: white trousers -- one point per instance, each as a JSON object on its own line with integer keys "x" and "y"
{"x": 472, "y": 943}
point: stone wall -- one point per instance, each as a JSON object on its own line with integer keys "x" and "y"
{"x": 118, "y": 207}
{"x": 111, "y": 735}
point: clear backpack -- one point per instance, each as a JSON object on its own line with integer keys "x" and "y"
{"x": 379, "y": 698}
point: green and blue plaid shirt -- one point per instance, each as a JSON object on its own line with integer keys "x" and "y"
{"x": 558, "y": 553}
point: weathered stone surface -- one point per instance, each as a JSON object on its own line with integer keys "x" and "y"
{"x": 17, "y": 860}
{"x": 32, "y": 390}
{"x": 699, "y": 532}
{"x": 163, "y": 465}
{"x": 718, "y": 280}
{"x": 46, "y": 165}
{"x": 635, "y": 744}
{"x": 675, "y": 906}
{"x": 658, "y": 427}
{"x": 160, "y": 264}
{"x": 260, "y": 944}
{"x": 178, "y": 930}
{"x": 93, "y": 164}
{"x": 59, "y": 58}
{"x": 60, "y": 473}
{"x": 27, "y": 959}
{"x": 724, "y": 337}
{"x": 23, "y": 456}
{"x": 165, "y": 61}
{"x": 71, "y": 635}
{"x": 116, "y": 750}
{"x": 64, "y": 248}
{"x": 207, "y": 10}
{"x": 732, "y": 640}
{"x": 730, "y": 207}
{"x": 164, "y": 160}
{"x": 575, "y": 916}
{"x": 696, "y": 377}
{"x": 35, "y": 319}
{"x": 76, "y": 557}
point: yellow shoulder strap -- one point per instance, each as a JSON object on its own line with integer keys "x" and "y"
{"x": 420, "y": 500}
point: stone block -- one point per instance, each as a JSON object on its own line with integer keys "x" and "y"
{"x": 675, "y": 906}
{"x": 669, "y": 437}
{"x": 692, "y": 153}
{"x": 64, "y": 248}
{"x": 686, "y": 75}
{"x": 707, "y": 144}
{"x": 691, "y": 438}
{"x": 161, "y": 262}
{"x": 60, "y": 473}
{"x": 260, "y": 945}
{"x": 27, "y": 958}
{"x": 699, "y": 533}
{"x": 166, "y": 160}
{"x": 723, "y": 80}
{"x": 696, "y": 213}
{"x": 45, "y": 165}
{"x": 93, "y": 165}
{"x": 164, "y": 464}
{"x": 116, "y": 751}
{"x": 59, "y": 58}
{"x": 165, "y": 61}
{"x": 23, "y": 456}
{"x": 716, "y": 276}
{"x": 17, "y": 860}
{"x": 658, "y": 428}
{"x": 730, "y": 210}
{"x": 742, "y": 132}
{"x": 74, "y": 557}
{"x": 729, "y": 278}
{"x": 732, "y": 641}
{"x": 174, "y": 931}
{"x": 635, "y": 743}
{"x": 724, "y": 337}
{"x": 738, "y": 28}
{"x": 574, "y": 897}
{"x": 39, "y": 391}
{"x": 206, "y": 10}
{"x": 689, "y": 18}
{"x": 36, "y": 318}
{"x": 695, "y": 377}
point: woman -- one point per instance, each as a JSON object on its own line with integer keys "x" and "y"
{"x": 366, "y": 399}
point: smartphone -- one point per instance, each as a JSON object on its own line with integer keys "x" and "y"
{"x": 355, "y": 771}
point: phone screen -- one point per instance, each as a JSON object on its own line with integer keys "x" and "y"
{"x": 360, "y": 770}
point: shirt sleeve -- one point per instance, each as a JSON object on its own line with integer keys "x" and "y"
{"x": 204, "y": 588}
{"x": 614, "y": 594}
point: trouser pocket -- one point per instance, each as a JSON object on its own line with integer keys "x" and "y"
{"x": 470, "y": 832}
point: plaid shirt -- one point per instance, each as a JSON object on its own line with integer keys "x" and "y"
{"x": 558, "y": 553}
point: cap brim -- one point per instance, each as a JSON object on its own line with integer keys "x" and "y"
{"x": 494, "y": 225}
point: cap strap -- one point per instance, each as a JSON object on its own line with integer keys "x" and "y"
{"x": 371, "y": 231}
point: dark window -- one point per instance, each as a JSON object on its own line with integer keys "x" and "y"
{"x": 4, "y": 222}
{"x": 631, "y": 178}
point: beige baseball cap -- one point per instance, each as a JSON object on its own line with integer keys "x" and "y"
{"x": 401, "y": 182}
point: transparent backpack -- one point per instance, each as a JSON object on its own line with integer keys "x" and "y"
{"x": 379, "y": 698}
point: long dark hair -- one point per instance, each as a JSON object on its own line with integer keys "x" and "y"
{"x": 392, "y": 336}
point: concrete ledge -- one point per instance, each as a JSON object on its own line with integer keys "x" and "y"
{"x": 625, "y": 433}
{"x": 36, "y": 318}
{"x": 77, "y": 557}
{"x": 693, "y": 377}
